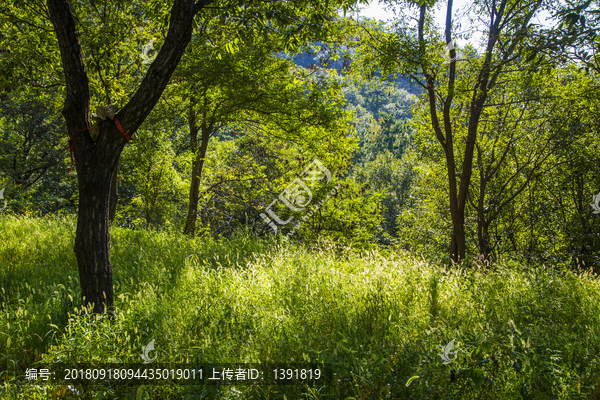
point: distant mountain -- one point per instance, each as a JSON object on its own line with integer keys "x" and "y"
{"x": 322, "y": 55}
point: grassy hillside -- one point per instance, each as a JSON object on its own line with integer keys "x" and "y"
{"x": 379, "y": 319}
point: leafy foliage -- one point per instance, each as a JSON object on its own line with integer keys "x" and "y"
{"x": 33, "y": 169}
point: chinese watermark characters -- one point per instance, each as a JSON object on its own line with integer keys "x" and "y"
{"x": 297, "y": 197}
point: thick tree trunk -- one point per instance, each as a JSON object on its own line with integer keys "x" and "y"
{"x": 92, "y": 241}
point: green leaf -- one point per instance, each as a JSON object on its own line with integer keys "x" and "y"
{"x": 478, "y": 377}
{"x": 412, "y": 378}
{"x": 141, "y": 393}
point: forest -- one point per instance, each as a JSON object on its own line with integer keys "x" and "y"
{"x": 308, "y": 202}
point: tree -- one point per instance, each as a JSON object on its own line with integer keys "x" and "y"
{"x": 97, "y": 161}
{"x": 534, "y": 174}
{"x": 526, "y": 124}
{"x": 416, "y": 51}
{"x": 97, "y": 150}
{"x": 249, "y": 86}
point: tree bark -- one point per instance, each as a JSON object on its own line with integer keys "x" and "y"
{"x": 92, "y": 241}
{"x": 483, "y": 237}
{"x": 96, "y": 163}
{"x": 192, "y": 217}
{"x": 114, "y": 196}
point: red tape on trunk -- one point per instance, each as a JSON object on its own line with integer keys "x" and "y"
{"x": 120, "y": 128}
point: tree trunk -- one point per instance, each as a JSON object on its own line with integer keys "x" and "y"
{"x": 445, "y": 137}
{"x": 483, "y": 238}
{"x": 92, "y": 241}
{"x": 190, "y": 225}
{"x": 458, "y": 241}
{"x": 486, "y": 80}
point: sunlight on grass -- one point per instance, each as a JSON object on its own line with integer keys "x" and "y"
{"x": 379, "y": 319}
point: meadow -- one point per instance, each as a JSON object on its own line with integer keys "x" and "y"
{"x": 379, "y": 316}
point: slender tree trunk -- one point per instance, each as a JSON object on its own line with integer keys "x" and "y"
{"x": 483, "y": 237}
{"x": 458, "y": 241}
{"x": 443, "y": 132}
{"x": 486, "y": 80}
{"x": 190, "y": 225}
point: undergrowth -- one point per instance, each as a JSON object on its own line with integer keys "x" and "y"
{"x": 380, "y": 318}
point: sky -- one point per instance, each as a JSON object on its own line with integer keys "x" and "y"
{"x": 375, "y": 10}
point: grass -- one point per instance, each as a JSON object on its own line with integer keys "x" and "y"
{"x": 380, "y": 318}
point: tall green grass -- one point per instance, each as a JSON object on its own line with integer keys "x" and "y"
{"x": 380, "y": 318}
